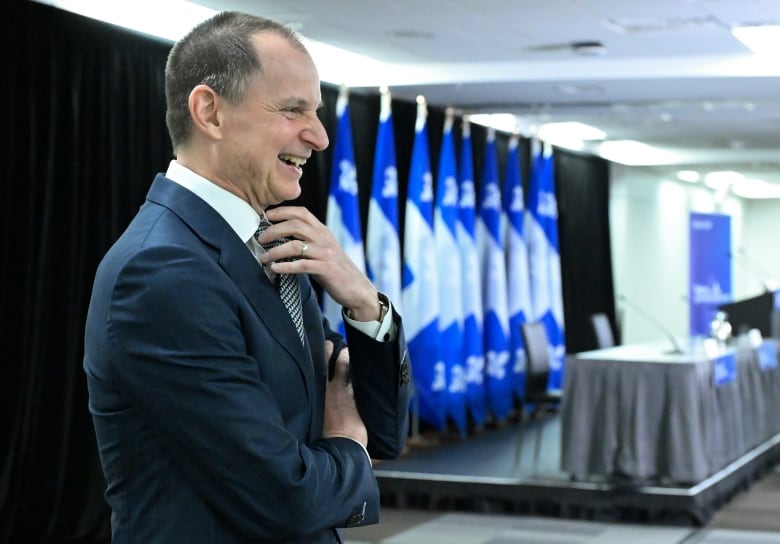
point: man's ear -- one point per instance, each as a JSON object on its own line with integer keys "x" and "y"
{"x": 204, "y": 110}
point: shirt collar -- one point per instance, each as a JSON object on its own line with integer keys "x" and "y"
{"x": 241, "y": 217}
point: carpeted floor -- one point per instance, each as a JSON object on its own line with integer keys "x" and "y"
{"x": 752, "y": 517}
{"x": 758, "y": 508}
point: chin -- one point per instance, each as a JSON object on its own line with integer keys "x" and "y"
{"x": 292, "y": 193}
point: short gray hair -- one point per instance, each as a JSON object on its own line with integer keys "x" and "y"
{"x": 219, "y": 53}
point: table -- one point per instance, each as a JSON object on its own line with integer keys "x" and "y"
{"x": 641, "y": 413}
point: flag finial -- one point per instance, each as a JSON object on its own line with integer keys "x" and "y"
{"x": 449, "y": 118}
{"x": 422, "y": 113}
{"x": 385, "y": 103}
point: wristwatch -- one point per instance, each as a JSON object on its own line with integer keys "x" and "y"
{"x": 384, "y": 305}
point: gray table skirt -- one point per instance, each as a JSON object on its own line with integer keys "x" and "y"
{"x": 665, "y": 419}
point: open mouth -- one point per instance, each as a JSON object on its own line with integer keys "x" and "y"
{"x": 297, "y": 162}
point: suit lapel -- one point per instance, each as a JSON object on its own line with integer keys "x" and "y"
{"x": 239, "y": 263}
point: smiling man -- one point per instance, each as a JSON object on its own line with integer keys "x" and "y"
{"x": 225, "y": 408}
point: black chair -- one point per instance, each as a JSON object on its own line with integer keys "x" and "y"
{"x": 537, "y": 373}
{"x": 602, "y": 330}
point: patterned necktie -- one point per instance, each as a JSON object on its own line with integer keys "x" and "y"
{"x": 286, "y": 284}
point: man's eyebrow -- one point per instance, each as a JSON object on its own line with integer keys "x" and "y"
{"x": 302, "y": 103}
{"x": 294, "y": 101}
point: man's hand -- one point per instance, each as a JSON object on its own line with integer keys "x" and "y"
{"x": 312, "y": 249}
{"x": 341, "y": 415}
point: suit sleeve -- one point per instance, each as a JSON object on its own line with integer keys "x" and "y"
{"x": 381, "y": 379}
{"x": 177, "y": 332}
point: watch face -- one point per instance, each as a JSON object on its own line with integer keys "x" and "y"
{"x": 384, "y": 306}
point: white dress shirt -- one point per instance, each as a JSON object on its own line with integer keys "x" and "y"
{"x": 244, "y": 220}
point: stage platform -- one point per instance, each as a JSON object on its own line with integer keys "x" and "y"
{"x": 494, "y": 471}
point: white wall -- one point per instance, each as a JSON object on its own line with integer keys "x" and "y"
{"x": 649, "y": 229}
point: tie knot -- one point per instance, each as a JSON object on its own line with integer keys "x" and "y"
{"x": 264, "y": 224}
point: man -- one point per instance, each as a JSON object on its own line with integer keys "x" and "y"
{"x": 214, "y": 414}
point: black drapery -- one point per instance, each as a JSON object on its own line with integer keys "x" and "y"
{"x": 582, "y": 184}
{"x": 84, "y": 136}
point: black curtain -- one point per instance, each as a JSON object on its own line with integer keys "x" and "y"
{"x": 85, "y": 135}
{"x": 582, "y": 184}
{"x": 84, "y": 138}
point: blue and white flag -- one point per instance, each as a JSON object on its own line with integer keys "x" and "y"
{"x": 343, "y": 216}
{"x": 449, "y": 274}
{"x": 383, "y": 243}
{"x": 518, "y": 292}
{"x": 473, "y": 351}
{"x": 420, "y": 294}
{"x": 494, "y": 293}
{"x": 544, "y": 259}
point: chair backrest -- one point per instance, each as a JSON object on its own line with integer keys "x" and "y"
{"x": 537, "y": 351}
{"x": 602, "y": 330}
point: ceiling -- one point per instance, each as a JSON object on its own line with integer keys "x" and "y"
{"x": 668, "y": 73}
{"x": 671, "y": 74}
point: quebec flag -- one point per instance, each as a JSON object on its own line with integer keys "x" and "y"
{"x": 343, "y": 216}
{"x": 383, "y": 246}
{"x": 449, "y": 274}
{"x": 544, "y": 259}
{"x": 473, "y": 352}
{"x": 494, "y": 292}
{"x": 518, "y": 292}
{"x": 420, "y": 295}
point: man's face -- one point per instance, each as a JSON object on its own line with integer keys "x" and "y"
{"x": 270, "y": 134}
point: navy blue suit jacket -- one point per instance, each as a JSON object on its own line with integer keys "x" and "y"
{"x": 207, "y": 408}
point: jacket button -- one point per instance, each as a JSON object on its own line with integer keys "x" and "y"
{"x": 404, "y": 373}
{"x": 354, "y": 519}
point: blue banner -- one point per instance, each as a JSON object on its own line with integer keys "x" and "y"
{"x": 710, "y": 269}
{"x": 499, "y": 384}
{"x": 383, "y": 246}
{"x": 518, "y": 287}
{"x": 767, "y": 355}
{"x": 449, "y": 274}
{"x": 420, "y": 290}
{"x": 544, "y": 259}
{"x": 724, "y": 369}
{"x": 343, "y": 216}
{"x": 473, "y": 352}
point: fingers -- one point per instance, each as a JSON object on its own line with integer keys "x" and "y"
{"x": 308, "y": 239}
{"x": 328, "y": 349}
{"x": 338, "y": 366}
{"x": 312, "y": 249}
{"x": 341, "y": 417}
{"x": 294, "y": 222}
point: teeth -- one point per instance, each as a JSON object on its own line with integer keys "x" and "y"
{"x": 297, "y": 161}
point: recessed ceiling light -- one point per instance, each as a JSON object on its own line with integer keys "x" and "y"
{"x": 761, "y": 39}
{"x": 722, "y": 178}
{"x": 505, "y": 122}
{"x": 589, "y": 48}
{"x": 633, "y": 153}
{"x": 755, "y": 188}
{"x": 691, "y": 176}
{"x": 569, "y": 130}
